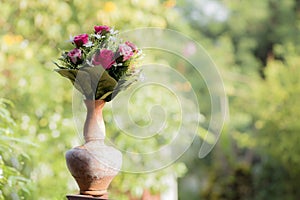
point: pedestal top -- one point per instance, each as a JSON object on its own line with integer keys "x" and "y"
{"x": 84, "y": 197}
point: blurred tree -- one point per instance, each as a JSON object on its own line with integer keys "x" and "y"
{"x": 255, "y": 45}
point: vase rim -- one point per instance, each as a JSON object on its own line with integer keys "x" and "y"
{"x": 98, "y": 102}
{"x": 94, "y": 100}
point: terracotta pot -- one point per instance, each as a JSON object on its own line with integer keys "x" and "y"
{"x": 94, "y": 164}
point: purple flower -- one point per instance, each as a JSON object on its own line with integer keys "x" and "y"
{"x": 75, "y": 55}
{"x": 125, "y": 51}
{"x": 81, "y": 39}
{"x": 131, "y": 45}
{"x": 99, "y": 29}
{"x": 104, "y": 57}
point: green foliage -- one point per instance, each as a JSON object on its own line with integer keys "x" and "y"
{"x": 15, "y": 182}
{"x": 279, "y": 119}
{"x": 257, "y": 53}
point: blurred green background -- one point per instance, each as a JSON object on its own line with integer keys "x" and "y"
{"x": 256, "y": 46}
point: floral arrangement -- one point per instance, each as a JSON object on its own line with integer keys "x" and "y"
{"x": 101, "y": 64}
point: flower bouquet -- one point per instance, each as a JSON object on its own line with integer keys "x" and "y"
{"x": 101, "y": 64}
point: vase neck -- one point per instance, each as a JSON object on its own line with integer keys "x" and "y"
{"x": 94, "y": 128}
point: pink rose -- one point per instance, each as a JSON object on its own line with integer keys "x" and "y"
{"x": 131, "y": 45}
{"x": 99, "y": 29}
{"x": 104, "y": 57}
{"x": 75, "y": 55}
{"x": 81, "y": 39}
{"x": 125, "y": 51}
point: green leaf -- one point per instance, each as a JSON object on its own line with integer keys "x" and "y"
{"x": 101, "y": 84}
{"x": 23, "y": 141}
{"x": 105, "y": 86}
{"x": 93, "y": 82}
{"x": 68, "y": 73}
{"x": 83, "y": 83}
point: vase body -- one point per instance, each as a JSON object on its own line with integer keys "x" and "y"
{"x": 94, "y": 164}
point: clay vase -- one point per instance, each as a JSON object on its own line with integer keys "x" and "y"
{"x": 94, "y": 164}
